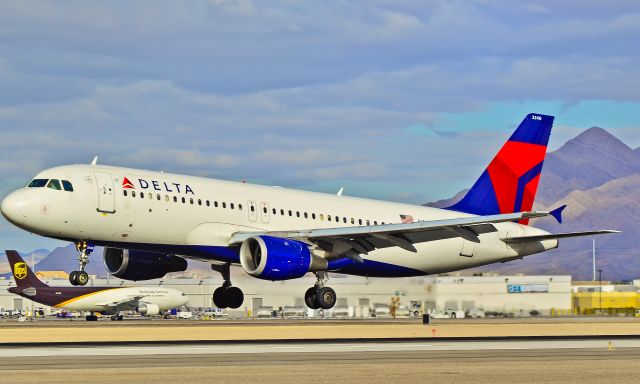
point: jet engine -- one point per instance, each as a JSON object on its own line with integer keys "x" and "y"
{"x": 148, "y": 309}
{"x": 135, "y": 265}
{"x": 274, "y": 258}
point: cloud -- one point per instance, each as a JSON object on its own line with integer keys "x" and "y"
{"x": 303, "y": 94}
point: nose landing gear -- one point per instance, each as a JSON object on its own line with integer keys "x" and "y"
{"x": 81, "y": 277}
{"x": 226, "y": 296}
{"x": 320, "y": 296}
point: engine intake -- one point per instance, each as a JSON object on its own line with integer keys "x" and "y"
{"x": 148, "y": 309}
{"x": 129, "y": 264}
{"x": 274, "y": 258}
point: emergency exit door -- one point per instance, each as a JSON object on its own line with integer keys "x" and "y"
{"x": 106, "y": 195}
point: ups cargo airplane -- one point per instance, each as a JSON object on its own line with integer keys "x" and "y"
{"x": 150, "y": 222}
{"x": 107, "y": 300}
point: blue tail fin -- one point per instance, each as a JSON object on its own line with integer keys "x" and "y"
{"x": 510, "y": 182}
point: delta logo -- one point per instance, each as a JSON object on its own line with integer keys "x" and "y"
{"x": 158, "y": 186}
{"x": 20, "y": 270}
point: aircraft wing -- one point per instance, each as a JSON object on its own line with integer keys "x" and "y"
{"x": 352, "y": 241}
{"x": 128, "y": 302}
{"x": 554, "y": 236}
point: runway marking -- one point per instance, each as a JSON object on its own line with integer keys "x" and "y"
{"x": 319, "y": 347}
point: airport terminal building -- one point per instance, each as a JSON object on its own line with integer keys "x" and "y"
{"x": 362, "y": 297}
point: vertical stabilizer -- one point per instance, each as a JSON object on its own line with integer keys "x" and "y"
{"x": 22, "y": 274}
{"x": 510, "y": 182}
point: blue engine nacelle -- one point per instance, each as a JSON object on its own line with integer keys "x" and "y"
{"x": 274, "y": 258}
{"x": 129, "y": 264}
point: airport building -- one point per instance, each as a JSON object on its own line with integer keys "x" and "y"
{"x": 362, "y": 297}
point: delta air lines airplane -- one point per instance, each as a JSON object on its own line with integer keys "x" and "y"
{"x": 151, "y": 222}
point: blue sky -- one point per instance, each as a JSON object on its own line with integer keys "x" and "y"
{"x": 401, "y": 100}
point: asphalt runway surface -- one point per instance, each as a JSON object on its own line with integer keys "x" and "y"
{"x": 547, "y": 360}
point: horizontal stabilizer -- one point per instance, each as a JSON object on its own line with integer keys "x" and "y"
{"x": 554, "y": 236}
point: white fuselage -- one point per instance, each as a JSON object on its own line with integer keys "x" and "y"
{"x": 101, "y": 210}
{"x": 102, "y": 301}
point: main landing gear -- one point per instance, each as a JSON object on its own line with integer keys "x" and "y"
{"x": 320, "y": 296}
{"x": 226, "y": 296}
{"x": 81, "y": 277}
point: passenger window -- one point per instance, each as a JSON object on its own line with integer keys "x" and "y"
{"x": 207, "y": 203}
{"x": 282, "y": 212}
{"x": 54, "y": 184}
{"x": 67, "y": 186}
{"x": 224, "y": 205}
{"x": 344, "y": 220}
{"x": 297, "y": 213}
{"x": 305, "y": 215}
{"x": 191, "y": 200}
{"x": 264, "y": 209}
{"x": 274, "y": 211}
{"x": 231, "y": 205}
{"x": 166, "y": 198}
{"x": 313, "y": 216}
{"x": 239, "y": 207}
{"x": 290, "y": 213}
{"x": 375, "y": 223}
{"x": 142, "y": 195}
{"x": 37, "y": 183}
{"x": 353, "y": 221}
{"x": 184, "y": 200}
{"x": 337, "y": 219}
{"x": 359, "y": 221}
{"x": 328, "y": 217}
{"x": 124, "y": 192}
{"x": 150, "y": 196}
{"x": 158, "y": 197}
{"x": 199, "y": 202}
{"x": 175, "y": 199}
{"x": 253, "y": 208}
{"x": 321, "y": 216}
{"x": 368, "y": 222}
{"x": 215, "y": 204}
{"x": 133, "y": 193}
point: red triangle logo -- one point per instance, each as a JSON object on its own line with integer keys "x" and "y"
{"x": 127, "y": 184}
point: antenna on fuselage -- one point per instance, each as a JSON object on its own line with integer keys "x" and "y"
{"x": 94, "y": 161}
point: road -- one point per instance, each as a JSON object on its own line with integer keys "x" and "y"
{"x": 523, "y": 361}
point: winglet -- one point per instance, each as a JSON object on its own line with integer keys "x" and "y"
{"x": 557, "y": 213}
{"x": 94, "y": 161}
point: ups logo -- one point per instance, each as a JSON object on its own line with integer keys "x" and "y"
{"x": 20, "y": 270}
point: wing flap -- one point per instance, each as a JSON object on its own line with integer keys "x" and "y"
{"x": 554, "y": 236}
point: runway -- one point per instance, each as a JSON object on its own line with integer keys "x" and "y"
{"x": 540, "y": 361}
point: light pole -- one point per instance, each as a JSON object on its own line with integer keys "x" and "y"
{"x": 600, "y": 289}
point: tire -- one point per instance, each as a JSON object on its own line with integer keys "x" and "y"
{"x": 326, "y": 298}
{"x": 73, "y": 277}
{"x": 82, "y": 278}
{"x": 310, "y": 298}
{"x": 234, "y": 297}
{"x": 220, "y": 298}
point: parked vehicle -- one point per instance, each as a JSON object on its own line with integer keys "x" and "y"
{"x": 476, "y": 313}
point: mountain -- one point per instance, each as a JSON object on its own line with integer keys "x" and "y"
{"x": 589, "y": 160}
{"x": 598, "y": 177}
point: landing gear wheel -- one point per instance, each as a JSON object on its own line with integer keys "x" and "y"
{"x": 234, "y": 297}
{"x": 220, "y": 298}
{"x": 82, "y": 278}
{"x": 326, "y": 298}
{"x": 310, "y": 298}
{"x": 73, "y": 278}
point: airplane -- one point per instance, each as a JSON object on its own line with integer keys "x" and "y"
{"x": 151, "y": 222}
{"x": 108, "y": 300}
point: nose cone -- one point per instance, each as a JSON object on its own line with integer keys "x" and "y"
{"x": 13, "y": 208}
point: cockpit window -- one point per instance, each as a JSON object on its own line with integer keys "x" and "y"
{"x": 54, "y": 184}
{"x": 37, "y": 183}
{"x": 67, "y": 186}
